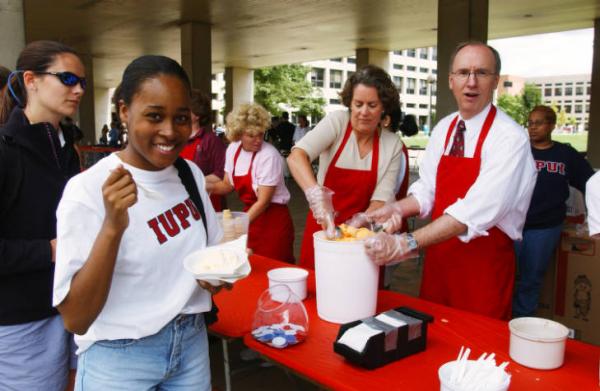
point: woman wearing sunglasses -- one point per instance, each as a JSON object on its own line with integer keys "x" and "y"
{"x": 36, "y": 160}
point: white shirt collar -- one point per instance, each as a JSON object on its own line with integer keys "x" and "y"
{"x": 475, "y": 123}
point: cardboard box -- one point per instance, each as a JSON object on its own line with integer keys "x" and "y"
{"x": 577, "y": 303}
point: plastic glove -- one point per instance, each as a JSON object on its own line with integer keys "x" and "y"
{"x": 320, "y": 203}
{"x": 390, "y": 216}
{"x": 385, "y": 248}
{"x": 359, "y": 220}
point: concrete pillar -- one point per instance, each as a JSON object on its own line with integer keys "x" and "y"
{"x": 365, "y": 56}
{"x": 196, "y": 54}
{"x": 239, "y": 87}
{"x": 12, "y": 32}
{"x": 458, "y": 21}
{"x": 101, "y": 110}
{"x": 593, "y": 150}
{"x": 87, "y": 121}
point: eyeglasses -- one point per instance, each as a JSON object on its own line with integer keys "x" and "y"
{"x": 67, "y": 78}
{"x": 536, "y": 123}
{"x": 464, "y": 74}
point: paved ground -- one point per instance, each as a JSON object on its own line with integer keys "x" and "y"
{"x": 250, "y": 376}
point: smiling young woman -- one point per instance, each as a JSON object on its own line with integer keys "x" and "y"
{"x": 37, "y": 158}
{"x": 120, "y": 281}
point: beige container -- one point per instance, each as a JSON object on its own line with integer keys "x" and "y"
{"x": 537, "y": 343}
{"x": 346, "y": 280}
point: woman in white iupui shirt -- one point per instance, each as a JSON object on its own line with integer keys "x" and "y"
{"x": 254, "y": 169}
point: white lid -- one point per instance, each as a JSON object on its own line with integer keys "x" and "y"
{"x": 538, "y": 329}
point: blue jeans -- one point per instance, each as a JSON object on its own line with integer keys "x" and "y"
{"x": 533, "y": 256}
{"x": 175, "y": 358}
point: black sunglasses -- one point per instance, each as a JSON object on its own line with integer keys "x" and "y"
{"x": 67, "y": 78}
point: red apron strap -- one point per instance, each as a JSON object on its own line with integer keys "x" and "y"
{"x": 450, "y": 128}
{"x": 487, "y": 125}
{"x": 342, "y": 145}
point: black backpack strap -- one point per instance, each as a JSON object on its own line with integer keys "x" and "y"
{"x": 187, "y": 178}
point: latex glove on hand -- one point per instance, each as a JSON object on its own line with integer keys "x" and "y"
{"x": 390, "y": 216}
{"x": 385, "y": 248}
{"x": 320, "y": 203}
{"x": 359, "y": 220}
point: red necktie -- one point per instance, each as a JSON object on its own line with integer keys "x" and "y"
{"x": 458, "y": 144}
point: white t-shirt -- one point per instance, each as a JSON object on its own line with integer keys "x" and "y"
{"x": 592, "y": 202}
{"x": 267, "y": 169}
{"x": 501, "y": 194}
{"x": 150, "y": 286}
{"x": 299, "y": 133}
{"x": 327, "y": 136}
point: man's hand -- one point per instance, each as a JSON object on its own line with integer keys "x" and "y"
{"x": 390, "y": 216}
{"x": 385, "y": 248}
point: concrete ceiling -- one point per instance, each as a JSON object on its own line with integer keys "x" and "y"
{"x": 258, "y": 33}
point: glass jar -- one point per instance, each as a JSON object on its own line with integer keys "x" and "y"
{"x": 280, "y": 319}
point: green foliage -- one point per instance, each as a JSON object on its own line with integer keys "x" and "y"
{"x": 518, "y": 107}
{"x": 286, "y": 85}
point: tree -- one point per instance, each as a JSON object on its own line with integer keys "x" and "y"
{"x": 286, "y": 85}
{"x": 519, "y": 106}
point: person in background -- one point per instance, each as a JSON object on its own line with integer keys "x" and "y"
{"x": 358, "y": 160}
{"x": 592, "y": 203}
{"x": 114, "y": 134}
{"x": 204, "y": 147}
{"x": 254, "y": 169}
{"x": 301, "y": 129}
{"x": 285, "y": 133}
{"x": 558, "y": 167}
{"x": 476, "y": 181}
{"x": 104, "y": 137}
{"x": 120, "y": 283}
{"x": 37, "y": 158}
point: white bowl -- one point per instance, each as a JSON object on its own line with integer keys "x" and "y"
{"x": 240, "y": 270}
{"x": 537, "y": 343}
{"x": 293, "y": 277}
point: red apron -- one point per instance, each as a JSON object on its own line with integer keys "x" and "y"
{"x": 271, "y": 234}
{"x": 353, "y": 190}
{"x": 477, "y": 276}
{"x": 189, "y": 152}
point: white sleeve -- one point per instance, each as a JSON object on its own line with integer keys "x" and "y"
{"x": 78, "y": 225}
{"x": 229, "y": 155}
{"x": 592, "y": 202}
{"x": 269, "y": 170}
{"x": 215, "y": 233}
{"x": 505, "y": 183}
{"x": 423, "y": 190}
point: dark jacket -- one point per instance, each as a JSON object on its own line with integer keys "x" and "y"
{"x": 32, "y": 179}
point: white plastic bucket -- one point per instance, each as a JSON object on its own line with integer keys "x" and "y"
{"x": 537, "y": 343}
{"x": 293, "y": 277}
{"x": 346, "y": 280}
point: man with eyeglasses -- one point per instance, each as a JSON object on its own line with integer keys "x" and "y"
{"x": 476, "y": 181}
{"x": 559, "y": 166}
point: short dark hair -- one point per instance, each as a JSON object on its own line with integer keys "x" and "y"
{"x": 373, "y": 76}
{"x": 201, "y": 106}
{"x": 548, "y": 112}
{"x": 147, "y": 67}
{"x": 285, "y": 115}
{"x": 37, "y": 56}
{"x": 462, "y": 45}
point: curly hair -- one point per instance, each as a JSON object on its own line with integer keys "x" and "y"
{"x": 547, "y": 112}
{"x": 373, "y": 76}
{"x": 251, "y": 118}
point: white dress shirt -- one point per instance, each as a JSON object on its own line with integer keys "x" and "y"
{"x": 592, "y": 202}
{"x": 501, "y": 194}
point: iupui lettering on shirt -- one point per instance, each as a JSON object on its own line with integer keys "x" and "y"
{"x": 552, "y": 167}
{"x": 173, "y": 221}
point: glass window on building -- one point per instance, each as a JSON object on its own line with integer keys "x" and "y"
{"x": 558, "y": 91}
{"x": 214, "y": 96}
{"x": 579, "y": 90}
{"x": 434, "y": 71}
{"x": 507, "y": 83}
{"x": 411, "y": 52}
{"x": 422, "y": 87}
{"x": 568, "y": 90}
{"x": 589, "y": 90}
{"x": 424, "y": 53}
{"x": 336, "y": 59}
{"x": 548, "y": 91}
{"x": 568, "y": 109}
{"x": 422, "y": 106}
{"x": 434, "y": 53}
{"x": 351, "y": 60}
{"x": 410, "y": 105}
{"x": 335, "y": 78}
{"x": 587, "y": 108}
{"x": 398, "y": 66}
{"x": 578, "y": 109}
{"x": 411, "y": 84}
{"x": 411, "y": 68}
{"x": 398, "y": 52}
{"x": 334, "y": 101}
{"x": 423, "y": 70}
{"x": 317, "y": 76}
{"x": 398, "y": 82}
{"x": 213, "y": 76}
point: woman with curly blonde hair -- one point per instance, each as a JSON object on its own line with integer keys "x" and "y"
{"x": 254, "y": 169}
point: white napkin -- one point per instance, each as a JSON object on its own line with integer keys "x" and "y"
{"x": 356, "y": 337}
{"x": 389, "y": 320}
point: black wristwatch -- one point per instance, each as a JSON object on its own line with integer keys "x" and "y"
{"x": 412, "y": 242}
